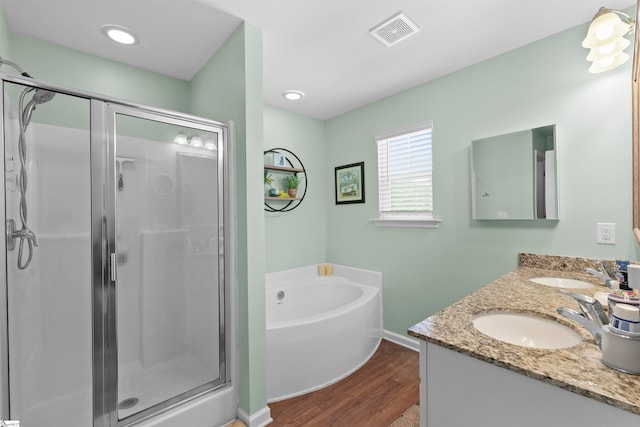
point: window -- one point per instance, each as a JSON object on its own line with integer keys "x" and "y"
{"x": 405, "y": 185}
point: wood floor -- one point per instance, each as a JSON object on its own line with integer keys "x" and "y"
{"x": 374, "y": 396}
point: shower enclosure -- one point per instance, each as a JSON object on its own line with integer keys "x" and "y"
{"x": 115, "y": 304}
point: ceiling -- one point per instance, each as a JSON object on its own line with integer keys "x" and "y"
{"x": 320, "y": 47}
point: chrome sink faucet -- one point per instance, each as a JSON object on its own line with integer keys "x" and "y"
{"x": 591, "y": 315}
{"x": 607, "y": 275}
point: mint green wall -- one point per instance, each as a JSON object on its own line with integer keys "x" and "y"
{"x": 542, "y": 83}
{"x": 6, "y": 51}
{"x": 297, "y": 238}
{"x": 58, "y": 65}
{"x": 229, "y": 87}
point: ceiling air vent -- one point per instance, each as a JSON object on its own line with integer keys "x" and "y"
{"x": 394, "y": 29}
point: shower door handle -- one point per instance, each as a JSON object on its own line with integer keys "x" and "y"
{"x": 114, "y": 267}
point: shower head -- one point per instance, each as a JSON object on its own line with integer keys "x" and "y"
{"x": 41, "y": 96}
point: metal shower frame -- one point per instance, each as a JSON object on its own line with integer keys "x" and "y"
{"x": 103, "y": 258}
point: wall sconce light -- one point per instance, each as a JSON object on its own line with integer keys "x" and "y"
{"x": 605, "y": 38}
{"x": 210, "y": 144}
{"x": 181, "y": 139}
{"x": 195, "y": 141}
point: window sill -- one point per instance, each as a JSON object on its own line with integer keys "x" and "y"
{"x": 407, "y": 222}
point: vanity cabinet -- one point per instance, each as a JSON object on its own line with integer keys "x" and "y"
{"x": 459, "y": 390}
{"x": 280, "y": 163}
{"x": 468, "y": 378}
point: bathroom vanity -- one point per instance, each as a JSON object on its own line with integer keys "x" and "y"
{"x": 468, "y": 378}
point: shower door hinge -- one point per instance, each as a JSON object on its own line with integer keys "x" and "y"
{"x": 114, "y": 267}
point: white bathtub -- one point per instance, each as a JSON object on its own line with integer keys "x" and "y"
{"x": 320, "y": 329}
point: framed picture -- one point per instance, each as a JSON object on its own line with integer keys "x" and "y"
{"x": 350, "y": 183}
{"x": 275, "y": 159}
{"x": 279, "y": 160}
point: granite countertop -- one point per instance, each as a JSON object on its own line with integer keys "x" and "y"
{"x": 577, "y": 369}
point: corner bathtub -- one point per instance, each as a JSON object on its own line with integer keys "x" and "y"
{"x": 320, "y": 329}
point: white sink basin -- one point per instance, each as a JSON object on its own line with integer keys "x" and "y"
{"x": 526, "y": 330}
{"x": 562, "y": 282}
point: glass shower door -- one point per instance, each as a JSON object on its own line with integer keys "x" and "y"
{"x": 48, "y": 269}
{"x": 168, "y": 251}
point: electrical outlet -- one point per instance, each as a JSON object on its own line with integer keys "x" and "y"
{"x": 606, "y": 233}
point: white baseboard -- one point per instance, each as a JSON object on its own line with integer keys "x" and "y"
{"x": 257, "y": 419}
{"x": 403, "y": 340}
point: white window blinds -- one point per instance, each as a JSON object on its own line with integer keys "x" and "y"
{"x": 405, "y": 172}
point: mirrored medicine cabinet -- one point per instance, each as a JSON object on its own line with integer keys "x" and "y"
{"x": 513, "y": 176}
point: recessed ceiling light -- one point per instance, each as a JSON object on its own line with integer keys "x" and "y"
{"x": 119, "y": 34}
{"x": 293, "y": 95}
